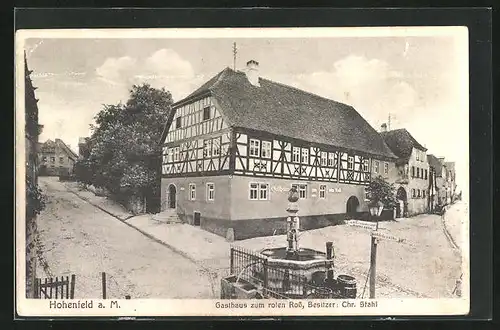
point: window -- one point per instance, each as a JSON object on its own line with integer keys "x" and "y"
{"x": 52, "y": 159}
{"x": 178, "y": 122}
{"x": 302, "y": 188}
{"x": 367, "y": 195}
{"x": 192, "y": 191}
{"x": 207, "y": 148}
{"x": 305, "y": 156}
{"x": 322, "y": 191}
{"x": 417, "y": 152}
{"x": 413, "y": 193}
{"x": 425, "y": 174}
{"x": 266, "y": 149}
{"x": 375, "y": 166}
{"x": 263, "y": 191}
{"x": 206, "y": 113}
{"x": 215, "y": 147}
{"x": 176, "y": 154}
{"x": 254, "y": 148}
{"x": 296, "y": 154}
{"x": 61, "y": 159}
{"x": 418, "y": 192}
{"x": 413, "y": 171}
{"x": 386, "y": 168}
{"x": 418, "y": 172}
{"x": 254, "y": 191}
{"x": 350, "y": 162}
{"x": 331, "y": 159}
{"x": 323, "y": 158}
{"x": 44, "y": 158}
{"x": 365, "y": 165}
{"x": 423, "y": 193}
{"x": 210, "y": 191}
{"x": 259, "y": 191}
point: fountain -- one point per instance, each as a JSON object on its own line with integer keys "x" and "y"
{"x": 291, "y": 271}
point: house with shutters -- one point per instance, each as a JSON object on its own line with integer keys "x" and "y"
{"x": 234, "y": 147}
{"x": 412, "y": 180}
{"x": 56, "y": 158}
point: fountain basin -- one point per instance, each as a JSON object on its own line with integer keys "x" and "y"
{"x": 293, "y": 274}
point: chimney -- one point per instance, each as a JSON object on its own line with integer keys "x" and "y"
{"x": 253, "y": 72}
{"x": 383, "y": 128}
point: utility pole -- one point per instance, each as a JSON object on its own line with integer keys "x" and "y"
{"x": 235, "y": 51}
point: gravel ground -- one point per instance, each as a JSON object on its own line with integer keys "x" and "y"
{"x": 426, "y": 266}
{"x": 79, "y": 239}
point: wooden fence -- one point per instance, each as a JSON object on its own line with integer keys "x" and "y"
{"x": 60, "y": 288}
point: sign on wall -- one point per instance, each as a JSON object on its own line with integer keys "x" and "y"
{"x": 335, "y": 190}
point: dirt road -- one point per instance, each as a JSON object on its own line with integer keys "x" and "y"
{"x": 77, "y": 238}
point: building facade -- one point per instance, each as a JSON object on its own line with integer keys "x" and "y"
{"x": 32, "y": 131}
{"x": 234, "y": 147}
{"x": 56, "y": 158}
{"x": 451, "y": 184}
{"x": 412, "y": 181}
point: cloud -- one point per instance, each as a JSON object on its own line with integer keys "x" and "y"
{"x": 163, "y": 68}
{"x": 113, "y": 70}
{"x": 371, "y": 86}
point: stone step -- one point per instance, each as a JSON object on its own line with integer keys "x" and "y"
{"x": 167, "y": 217}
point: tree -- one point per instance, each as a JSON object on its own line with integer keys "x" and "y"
{"x": 124, "y": 145}
{"x": 381, "y": 191}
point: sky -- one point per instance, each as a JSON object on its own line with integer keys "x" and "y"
{"x": 419, "y": 82}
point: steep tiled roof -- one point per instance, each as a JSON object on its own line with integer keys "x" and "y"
{"x": 435, "y": 163}
{"x": 49, "y": 146}
{"x": 401, "y": 143}
{"x": 291, "y": 112}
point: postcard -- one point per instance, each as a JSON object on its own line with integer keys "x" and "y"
{"x": 242, "y": 172}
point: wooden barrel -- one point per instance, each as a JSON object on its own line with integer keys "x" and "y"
{"x": 347, "y": 286}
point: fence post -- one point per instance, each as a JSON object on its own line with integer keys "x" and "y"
{"x": 36, "y": 294}
{"x": 231, "y": 262}
{"x": 57, "y": 287}
{"x": 266, "y": 277}
{"x": 72, "y": 293}
{"x": 103, "y": 285}
{"x": 67, "y": 287}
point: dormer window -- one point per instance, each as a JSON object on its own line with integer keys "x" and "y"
{"x": 206, "y": 113}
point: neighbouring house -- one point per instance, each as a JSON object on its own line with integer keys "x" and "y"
{"x": 32, "y": 131}
{"x": 451, "y": 184}
{"x": 56, "y": 158}
{"x": 234, "y": 147}
{"x": 413, "y": 171}
{"x": 436, "y": 182}
{"x": 83, "y": 147}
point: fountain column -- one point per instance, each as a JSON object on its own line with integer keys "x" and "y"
{"x": 293, "y": 223}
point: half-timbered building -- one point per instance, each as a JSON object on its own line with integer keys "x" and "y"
{"x": 234, "y": 147}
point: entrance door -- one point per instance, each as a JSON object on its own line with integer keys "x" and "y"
{"x": 352, "y": 207}
{"x": 172, "y": 197}
{"x": 197, "y": 217}
{"x": 401, "y": 197}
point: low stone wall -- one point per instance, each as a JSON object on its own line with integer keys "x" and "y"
{"x": 244, "y": 229}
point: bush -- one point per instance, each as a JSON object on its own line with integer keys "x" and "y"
{"x": 35, "y": 200}
{"x": 381, "y": 191}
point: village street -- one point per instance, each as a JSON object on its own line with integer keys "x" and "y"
{"x": 78, "y": 238}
